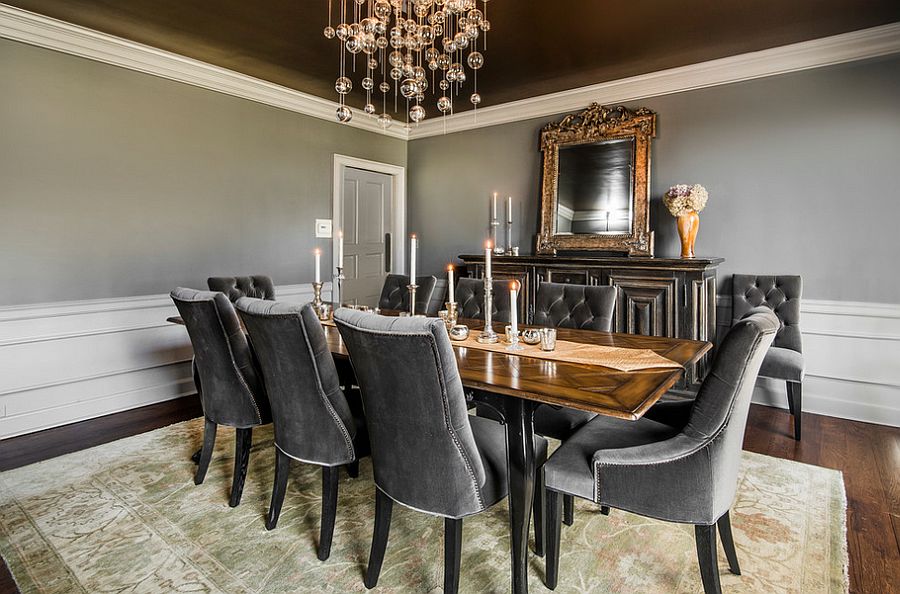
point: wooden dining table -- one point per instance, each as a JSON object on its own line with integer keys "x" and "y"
{"x": 515, "y": 385}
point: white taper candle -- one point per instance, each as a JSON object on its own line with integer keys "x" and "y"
{"x": 488, "y": 248}
{"x": 450, "y": 283}
{"x": 494, "y": 208}
{"x": 318, "y": 254}
{"x": 513, "y": 310}
{"x": 509, "y": 209}
{"x": 340, "y": 249}
{"x": 412, "y": 258}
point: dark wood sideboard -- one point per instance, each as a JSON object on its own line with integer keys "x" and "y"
{"x": 671, "y": 297}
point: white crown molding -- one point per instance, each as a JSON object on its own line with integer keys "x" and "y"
{"x": 847, "y": 47}
{"x": 34, "y": 29}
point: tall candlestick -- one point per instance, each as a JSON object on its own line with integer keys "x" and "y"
{"x": 340, "y": 258}
{"x": 513, "y": 310}
{"x": 509, "y": 209}
{"x": 450, "y": 283}
{"x": 488, "y": 248}
{"x": 318, "y": 254}
{"x": 494, "y": 208}
{"x": 412, "y": 258}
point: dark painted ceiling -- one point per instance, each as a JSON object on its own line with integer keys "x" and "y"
{"x": 534, "y": 47}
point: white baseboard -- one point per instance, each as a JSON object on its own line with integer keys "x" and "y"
{"x": 851, "y": 351}
{"x": 70, "y": 361}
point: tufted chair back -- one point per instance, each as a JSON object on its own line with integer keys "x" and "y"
{"x": 232, "y": 390}
{"x": 312, "y": 419}
{"x": 235, "y": 287}
{"x": 575, "y": 306}
{"x": 470, "y": 297}
{"x": 781, "y": 294}
{"x": 416, "y": 413}
{"x": 395, "y": 295}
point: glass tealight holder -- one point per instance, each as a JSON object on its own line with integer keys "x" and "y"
{"x": 548, "y": 339}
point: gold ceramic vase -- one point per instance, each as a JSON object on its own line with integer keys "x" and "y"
{"x": 688, "y": 225}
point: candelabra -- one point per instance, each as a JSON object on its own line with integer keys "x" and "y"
{"x": 488, "y": 336}
{"x": 318, "y": 304}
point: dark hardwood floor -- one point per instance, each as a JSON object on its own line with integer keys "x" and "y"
{"x": 868, "y": 455}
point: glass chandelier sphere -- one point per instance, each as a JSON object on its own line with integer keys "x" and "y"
{"x": 405, "y": 48}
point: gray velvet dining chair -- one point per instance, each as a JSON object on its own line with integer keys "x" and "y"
{"x": 395, "y": 294}
{"x": 427, "y": 452}
{"x": 235, "y": 287}
{"x": 228, "y": 378}
{"x": 581, "y": 307}
{"x": 314, "y": 420}
{"x": 470, "y": 297}
{"x": 686, "y": 475}
{"x": 784, "y": 360}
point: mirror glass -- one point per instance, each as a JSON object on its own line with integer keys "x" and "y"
{"x": 595, "y": 191}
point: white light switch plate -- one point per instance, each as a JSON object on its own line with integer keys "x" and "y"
{"x": 323, "y": 227}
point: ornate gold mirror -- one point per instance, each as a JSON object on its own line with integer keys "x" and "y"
{"x": 596, "y": 180}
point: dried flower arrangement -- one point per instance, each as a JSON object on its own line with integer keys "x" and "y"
{"x": 681, "y": 199}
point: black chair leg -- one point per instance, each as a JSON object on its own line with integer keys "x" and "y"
{"x": 209, "y": 443}
{"x": 282, "y": 470}
{"x": 554, "y": 525}
{"x": 568, "y": 509}
{"x": 383, "y": 507}
{"x": 195, "y": 457}
{"x": 243, "y": 438}
{"x": 537, "y": 510}
{"x": 706, "y": 555}
{"x": 604, "y": 509}
{"x": 795, "y": 403}
{"x": 452, "y": 554}
{"x": 724, "y": 525}
{"x": 353, "y": 469}
{"x": 330, "y": 476}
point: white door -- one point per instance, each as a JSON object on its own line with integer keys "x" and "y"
{"x": 366, "y": 219}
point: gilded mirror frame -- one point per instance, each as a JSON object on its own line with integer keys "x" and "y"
{"x": 597, "y": 123}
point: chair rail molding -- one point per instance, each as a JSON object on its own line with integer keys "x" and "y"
{"x": 851, "y": 351}
{"x": 104, "y": 355}
{"x": 34, "y": 29}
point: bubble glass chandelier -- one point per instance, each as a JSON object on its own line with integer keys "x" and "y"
{"x": 402, "y": 49}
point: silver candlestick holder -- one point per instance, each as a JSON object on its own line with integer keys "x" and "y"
{"x": 317, "y": 295}
{"x": 488, "y": 336}
{"x": 495, "y": 239}
{"x": 412, "y": 300}
{"x": 338, "y": 295}
{"x": 513, "y": 339}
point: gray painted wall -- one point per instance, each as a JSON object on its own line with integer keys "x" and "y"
{"x": 803, "y": 172}
{"x": 115, "y": 183}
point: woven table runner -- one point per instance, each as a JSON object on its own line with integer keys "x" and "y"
{"x": 577, "y": 352}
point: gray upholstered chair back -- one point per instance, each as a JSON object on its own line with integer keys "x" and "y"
{"x": 423, "y": 452}
{"x": 235, "y": 287}
{"x": 575, "y": 306}
{"x": 312, "y": 419}
{"x": 232, "y": 391}
{"x": 719, "y": 415}
{"x": 395, "y": 295}
{"x": 781, "y": 294}
{"x": 470, "y": 297}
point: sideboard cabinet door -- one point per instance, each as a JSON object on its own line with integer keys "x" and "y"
{"x": 646, "y": 305}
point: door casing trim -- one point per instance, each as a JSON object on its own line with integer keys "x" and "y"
{"x": 398, "y": 206}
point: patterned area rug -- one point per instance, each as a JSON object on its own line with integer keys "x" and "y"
{"x": 127, "y": 517}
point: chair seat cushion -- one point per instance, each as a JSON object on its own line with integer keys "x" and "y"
{"x": 570, "y": 468}
{"x": 559, "y": 423}
{"x": 783, "y": 364}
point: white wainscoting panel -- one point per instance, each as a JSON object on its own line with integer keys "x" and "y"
{"x": 852, "y": 353}
{"x": 70, "y": 361}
